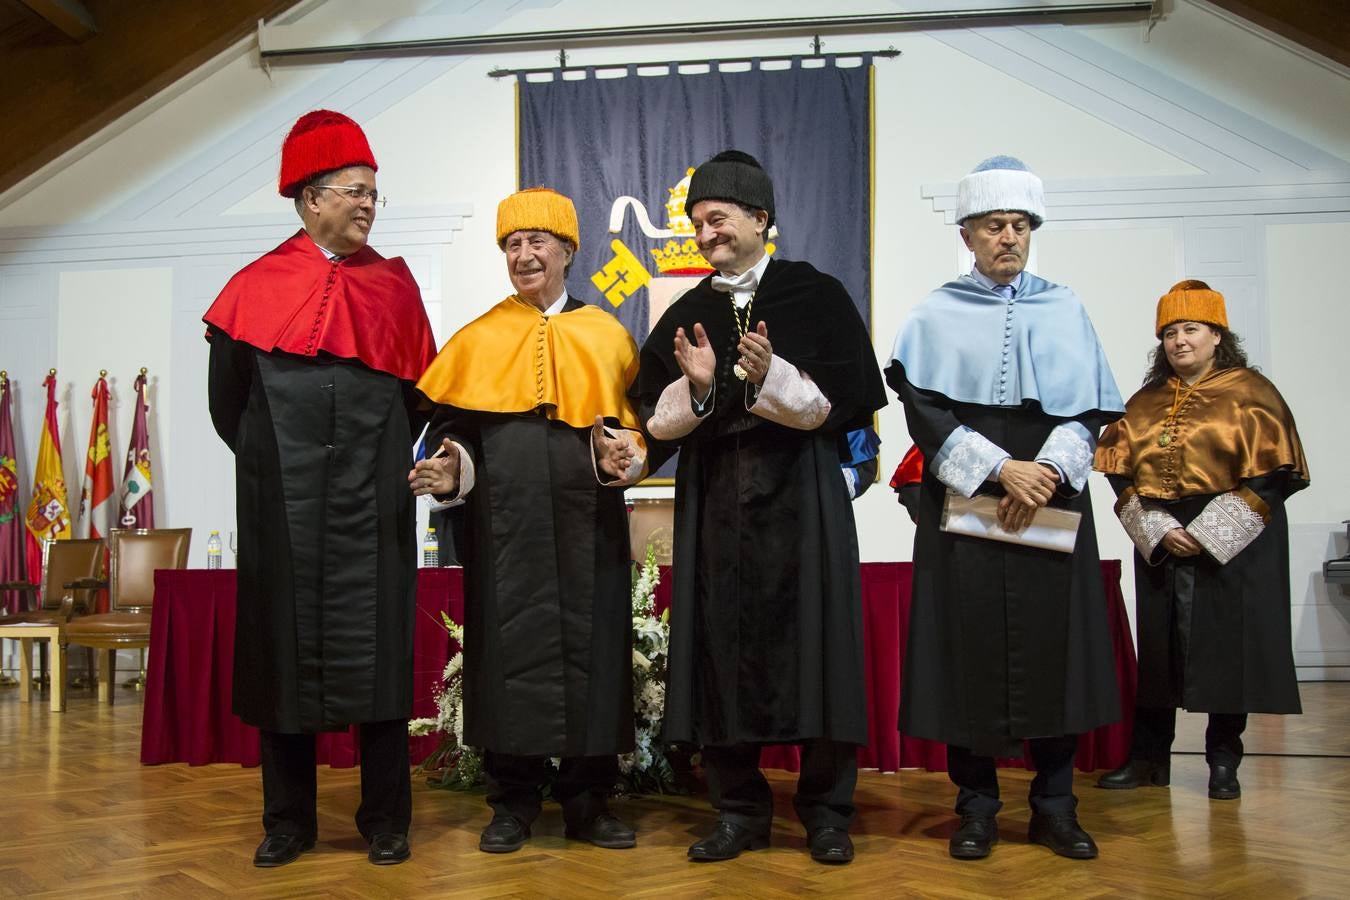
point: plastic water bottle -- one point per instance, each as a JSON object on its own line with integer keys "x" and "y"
{"x": 213, "y": 551}
{"x": 431, "y": 550}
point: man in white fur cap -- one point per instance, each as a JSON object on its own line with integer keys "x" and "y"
{"x": 1005, "y": 389}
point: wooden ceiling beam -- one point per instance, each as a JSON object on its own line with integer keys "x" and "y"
{"x": 68, "y": 16}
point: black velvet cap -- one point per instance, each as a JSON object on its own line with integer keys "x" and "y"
{"x": 732, "y": 175}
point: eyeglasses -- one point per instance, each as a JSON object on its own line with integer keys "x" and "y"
{"x": 356, "y": 194}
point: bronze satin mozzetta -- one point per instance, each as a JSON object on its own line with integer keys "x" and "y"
{"x": 1230, "y": 425}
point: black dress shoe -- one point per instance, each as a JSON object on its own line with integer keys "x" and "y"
{"x": 974, "y": 837}
{"x": 726, "y": 842}
{"x": 605, "y": 831}
{"x": 1062, "y": 834}
{"x": 504, "y": 834}
{"x": 1137, "y": 773}
{"x": 830, "y": 845}
{"x": 1223, "y": 783}
{"x": 388, "y": 849}
{"x": 279, "y": 849}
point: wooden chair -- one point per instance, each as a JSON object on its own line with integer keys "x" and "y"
{"x": 71, "y": 571}
{"x": 135, "y": 556}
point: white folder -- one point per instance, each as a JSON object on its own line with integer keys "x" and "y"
{"x": 1050, "y": 528}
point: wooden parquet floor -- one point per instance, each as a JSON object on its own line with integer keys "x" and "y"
{"x": 82, "y": 818}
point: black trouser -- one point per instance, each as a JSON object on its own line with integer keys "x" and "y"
{"x": 1051, "y": 790}
{"x": 1155, "y": 728}
{"x": 741, "y": 795}
{"x": 290, "y": 783}
{"x": 582, "y": 787}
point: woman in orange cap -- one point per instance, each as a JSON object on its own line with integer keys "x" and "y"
{"x": 1203, "y": 461}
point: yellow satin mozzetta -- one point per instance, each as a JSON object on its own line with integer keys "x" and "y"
{"x": 513, "y": 359}
{"x": 1232, "y": 426}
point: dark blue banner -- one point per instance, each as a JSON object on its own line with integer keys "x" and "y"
{"x": 623, "y": 149}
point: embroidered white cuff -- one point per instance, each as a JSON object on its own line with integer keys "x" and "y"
{"x": 1145, "y": 523}
{"x": 851, "y": 482}
{"x": 1226, "y": 526}
{"x": 966, "y": 459}
{"x": 674, "y": 416}
{"x": 788, "y": 396}
{"x": 1069, "y": 449}
{"x": 466, "y": 481}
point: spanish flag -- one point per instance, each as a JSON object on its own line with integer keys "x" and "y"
{"x": 48, "y": 514}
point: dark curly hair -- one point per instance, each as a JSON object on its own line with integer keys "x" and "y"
{"x": 1228, "y": 355}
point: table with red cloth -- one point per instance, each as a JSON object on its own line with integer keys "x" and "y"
{"x": 188, "y": 675}
{"x": 885, "y": 598}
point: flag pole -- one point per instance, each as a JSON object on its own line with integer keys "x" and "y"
{"x": 6, "y": 679}
{"x": 140, "y": 442}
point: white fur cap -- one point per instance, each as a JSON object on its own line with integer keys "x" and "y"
{"x": 1001, "y": 182}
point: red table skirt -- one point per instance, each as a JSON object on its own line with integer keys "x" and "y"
{"x": 885, "y": 595}
{"x": 188, "y": 675}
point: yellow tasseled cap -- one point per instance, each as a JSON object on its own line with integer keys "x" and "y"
{"x": 1191, "y": 301}
{"x": 538, "y": 209}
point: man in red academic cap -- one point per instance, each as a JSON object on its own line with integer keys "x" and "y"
{"x": 315, "y": 348}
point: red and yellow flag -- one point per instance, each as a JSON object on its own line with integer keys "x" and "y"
{"x": 97, "y": 504}
{"x": 48, "y": 515}
{"x": 12, "y": 564}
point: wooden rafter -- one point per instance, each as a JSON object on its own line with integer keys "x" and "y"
{"x": 68, "y": 16}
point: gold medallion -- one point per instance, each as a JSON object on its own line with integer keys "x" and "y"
{"x": 741, "y": 328}
{"x": 1164, "y": 439}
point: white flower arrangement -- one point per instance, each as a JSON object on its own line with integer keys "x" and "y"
{"x": 647, "y": 769}
{"x": 452, "y": 765}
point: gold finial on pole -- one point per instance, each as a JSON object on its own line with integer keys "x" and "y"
{"x": 102, "y": 373}
{"x": 51, "y": 372}
{"x": 144, "y": 370}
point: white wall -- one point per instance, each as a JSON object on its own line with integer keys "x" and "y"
{"x": 1142, "y": 142}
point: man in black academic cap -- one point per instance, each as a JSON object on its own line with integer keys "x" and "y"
{"x": 757, "y": 374}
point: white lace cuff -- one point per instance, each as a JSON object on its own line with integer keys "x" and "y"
{"x": 1069, "y": 448}
{"x": 466, "y": 481}
{"x": 788, "y": 396}
{"x": 1145, "y": 524}
{"x": 1226, "y": 525}
{"x": 674, "y": 416}
{"x": 966, "y": 459}
{"x": 851, "y": 482}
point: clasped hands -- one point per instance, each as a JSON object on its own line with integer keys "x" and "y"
{"x": 1028, "y": 486}
{"x": 698, "y": 362}
{"x": 1179, "y": 542}
{"x": 613, "y": 455}
{"x": 439, "y": 475}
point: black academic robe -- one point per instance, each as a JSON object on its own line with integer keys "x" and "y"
{"x": 327, "y": 550}
{"x": 766, "y": 614}
{"x": 1006, "y": 642}
{"x": 547, "y": 588}
{"x": 1217, "y": 638}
